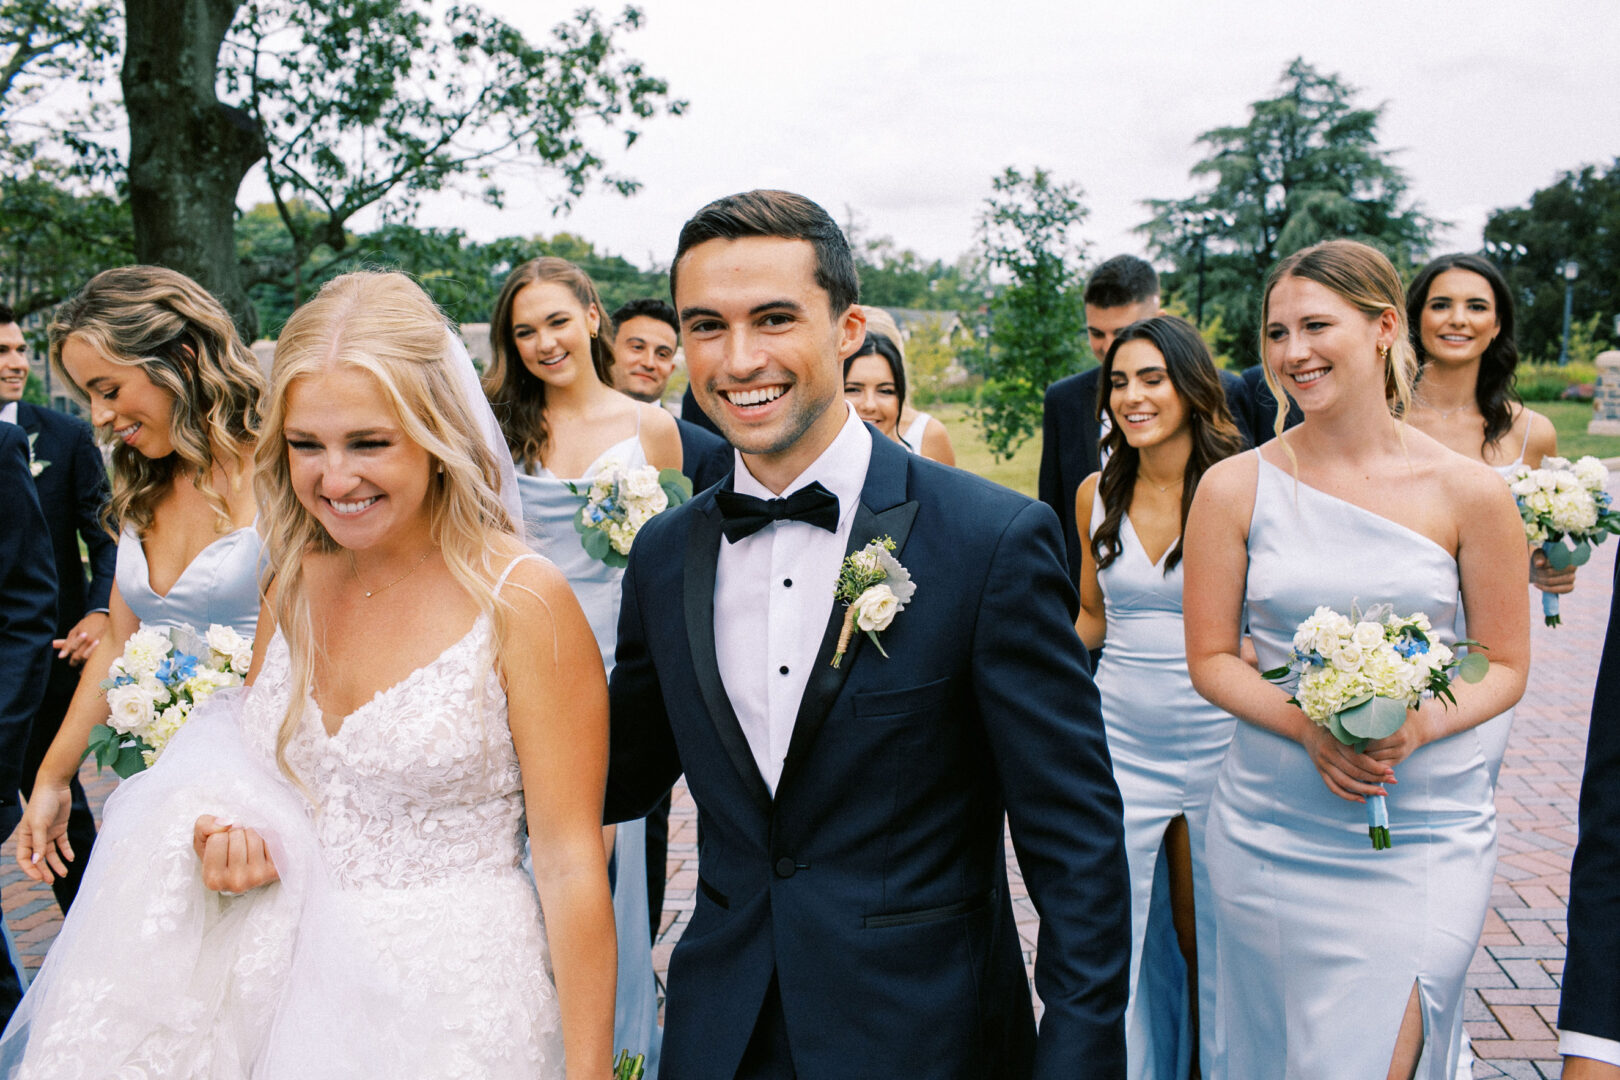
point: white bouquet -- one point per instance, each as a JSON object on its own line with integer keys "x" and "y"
{"x": 1357, "y": 675}
{"x": 153, "y": 687}
{"x": 619, "y": 502}
{"x": 1564, "y": 501}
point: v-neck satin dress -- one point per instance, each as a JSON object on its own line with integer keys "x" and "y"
{"x": 1320, "y": 939}
{"x": 220, "y": 585}
{"x": 1167, "y": 743}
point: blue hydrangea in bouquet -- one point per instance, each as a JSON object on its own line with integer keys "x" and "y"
{"x": 619, "y": 501}
{"x": 1358, "y": 674}
{"x": 1566, "y": 509}
{"x": 154, "y": 686}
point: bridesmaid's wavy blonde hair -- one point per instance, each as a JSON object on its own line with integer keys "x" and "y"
{"x": 182, "y": 338}
{"x": 1366, "y": 280}
{"x": 384, "y": 325}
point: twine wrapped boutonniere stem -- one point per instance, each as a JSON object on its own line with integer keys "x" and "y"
{"x": 874, "y": 588}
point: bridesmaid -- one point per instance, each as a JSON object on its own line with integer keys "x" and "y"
{"x": 166, "y": 376}
{"x": 917, "y": 431}
{"x": 1334, "y": 959}
{"x": 1168, "y": 423}
{"x": 563, "y": 421}
{"x": 1460, "y": 312}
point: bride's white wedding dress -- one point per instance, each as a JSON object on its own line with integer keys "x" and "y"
{"x": 403, "y": 940}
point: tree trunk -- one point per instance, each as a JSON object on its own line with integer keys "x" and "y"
{"x": 188, "y": 152}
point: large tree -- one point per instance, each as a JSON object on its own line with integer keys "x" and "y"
{"x": 348, "y": 104}
{"x": 1036, "y": 329}
{"x": 1305, "y": 166}
{"x": 1577, "y": 218}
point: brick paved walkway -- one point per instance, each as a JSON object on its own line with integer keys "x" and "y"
{"x": 1512, "y": 997}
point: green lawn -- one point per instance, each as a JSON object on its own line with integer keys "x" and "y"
{"x": 1019, "y": 473}
{"x": 1571, "y": 418}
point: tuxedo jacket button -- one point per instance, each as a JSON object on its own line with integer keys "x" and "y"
{"x": 785, "y": 867}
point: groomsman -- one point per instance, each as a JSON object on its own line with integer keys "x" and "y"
{"x": 27, "y": 618}
{"x": 644, "y": 340}
{"x": 1589, "y": 1011}
{"x": 71, "y": 482}
{"x": 1258, "y": 406}
{"x": 1121, "y": 291}
{"x": 853, "y": 915}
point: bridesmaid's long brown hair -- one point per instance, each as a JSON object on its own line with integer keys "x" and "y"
{"x": 1214, "y": 435}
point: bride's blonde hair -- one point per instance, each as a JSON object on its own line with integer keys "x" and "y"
{"x": 384, "y": 325}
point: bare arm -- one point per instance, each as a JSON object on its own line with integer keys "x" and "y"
{"x": 1490, "y": 565}
{"x": 1543, "y": 443}
{"x": 660, "y": 438}
{"x": 1092, "y": 623}
{"x": 557, "y": 702}
{"x": 1215, "y": 557}
{"x": 936, "y": 443}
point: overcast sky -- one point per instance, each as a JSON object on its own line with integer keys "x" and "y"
{"x": 903, "y": 110}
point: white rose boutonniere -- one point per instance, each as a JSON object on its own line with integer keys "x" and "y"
{"x": 36, "y": 465}
{"x": 875, "y": 588}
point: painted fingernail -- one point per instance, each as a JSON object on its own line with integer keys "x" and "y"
{"x": 35, "y": 859}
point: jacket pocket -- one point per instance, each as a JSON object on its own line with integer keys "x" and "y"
{"x": 872, "y": 704}
{"x": 928, "y": 915}
{"x": 716, "y": 897}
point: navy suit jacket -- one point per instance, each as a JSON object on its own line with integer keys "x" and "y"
{"x": 1070, "y": 445}
{"x": 27, "y": 613}
{"x": 72, "y": 491}
{"x": 873, "y": 885}
{"x": 1260, "y": 406}
{"x": 706, "y": 458}
{"x": 1591, "y": 994}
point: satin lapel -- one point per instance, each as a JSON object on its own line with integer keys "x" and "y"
{"x": 885, "y": 488}
{"x": 702, "y": 554}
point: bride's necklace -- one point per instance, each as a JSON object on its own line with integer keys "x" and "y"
{"x": 373, "y": 592}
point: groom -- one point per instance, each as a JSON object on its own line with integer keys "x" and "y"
{"x": 853, "y": 916}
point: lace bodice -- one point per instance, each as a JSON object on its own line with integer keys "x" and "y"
{"x": 421, "y": 783}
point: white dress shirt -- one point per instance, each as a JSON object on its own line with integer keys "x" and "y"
{"x": 773, "y": 595}
{"x": 1589, "y": 1046}
{"x": 8, "y": 412}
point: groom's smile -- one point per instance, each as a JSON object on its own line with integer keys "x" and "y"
{"x": 764, "y": 349}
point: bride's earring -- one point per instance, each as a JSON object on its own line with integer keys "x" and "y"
{"x": 1383, "y": 353}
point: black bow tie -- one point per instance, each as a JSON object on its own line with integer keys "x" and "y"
{"x": 745, "y": 515}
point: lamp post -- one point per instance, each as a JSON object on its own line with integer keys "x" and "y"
{"x": 1571, "y": 270}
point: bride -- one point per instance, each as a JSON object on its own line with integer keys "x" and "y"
{"x": 323, "y": 878}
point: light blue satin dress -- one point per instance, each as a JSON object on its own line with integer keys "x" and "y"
{"x": 1167, "y": 743}
{"x": 548, "y": 517}
{"x": 220, "y": 585}
{"x": 1319, "y": 937}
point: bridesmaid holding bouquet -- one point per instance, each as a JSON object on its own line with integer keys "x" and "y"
{"x": 1335, "y": 959}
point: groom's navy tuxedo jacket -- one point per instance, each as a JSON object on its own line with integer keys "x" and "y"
{"x": 874, "y": 884}
{"x": 1591, "y": 994}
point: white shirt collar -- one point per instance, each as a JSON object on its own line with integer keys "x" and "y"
{"x": 8, "y": 413}
{"x": 841, "y": 468}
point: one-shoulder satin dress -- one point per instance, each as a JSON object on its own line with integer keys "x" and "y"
{"x": 1319, "y": 937}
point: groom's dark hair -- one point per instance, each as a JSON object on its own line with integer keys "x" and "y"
{"x": 780, "y": 214}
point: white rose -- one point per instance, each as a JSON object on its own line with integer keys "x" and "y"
{"x": 225, "y": 640}
{"x": 641, "y": 483}
{"x": 145, "y": 650}
{"x": 1367, "y": 635}
{"x": 131, "y": 706}
{"x": 1348, "y": 657}
{"x": 875, "y": 608}
{"x": 242, "y": 659}
{"x": 1592, "y": 473}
